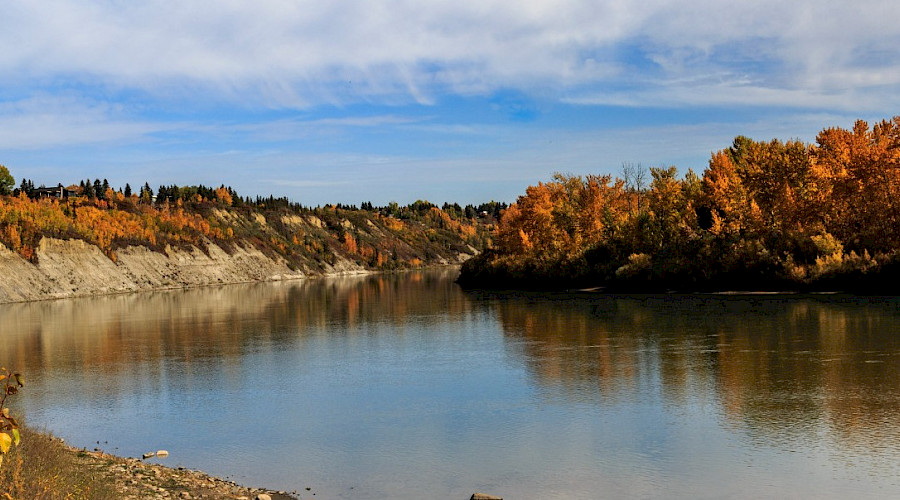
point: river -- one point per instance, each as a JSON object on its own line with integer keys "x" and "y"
{"x": 404, "y": 386}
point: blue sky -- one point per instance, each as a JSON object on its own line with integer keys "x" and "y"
{"x": 468, "y": 101}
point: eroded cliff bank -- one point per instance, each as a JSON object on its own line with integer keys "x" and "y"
{"x": 74, "y": 268}
{"x": 52, "y": 248}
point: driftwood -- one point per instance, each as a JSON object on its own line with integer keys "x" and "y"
{"x": 484, "y": 496}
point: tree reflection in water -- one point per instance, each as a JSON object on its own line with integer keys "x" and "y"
{"x": 777, "y": 366}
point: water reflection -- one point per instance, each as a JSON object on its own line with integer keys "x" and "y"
{"x": 114, "y": 330}
{"x": 133, "y": 338}
{"x": 399, "y": 384}
{"x": 778, "y": 367}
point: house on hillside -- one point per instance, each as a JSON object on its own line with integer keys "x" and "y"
{"x": 58, "y": 192}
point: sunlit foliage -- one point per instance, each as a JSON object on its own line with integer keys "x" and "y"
{"x": 9, "y": 427}
{"x": 765, "y": 214}
{"x": 312, "y": 239}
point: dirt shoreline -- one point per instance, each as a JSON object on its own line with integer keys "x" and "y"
{"x": 137, "y": 479}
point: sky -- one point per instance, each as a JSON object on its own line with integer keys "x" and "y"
{"x": 344, "y": 101}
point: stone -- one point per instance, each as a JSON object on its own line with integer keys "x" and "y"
{"x": 484, "y": 496}
{"x": 263, "y": 496}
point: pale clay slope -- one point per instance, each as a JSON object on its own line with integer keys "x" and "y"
{"x": 74, "y": 268}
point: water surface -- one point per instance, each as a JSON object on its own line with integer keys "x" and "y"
{"x": 403, "y": 386}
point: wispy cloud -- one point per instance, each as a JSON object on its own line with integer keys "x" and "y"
{"x": 50, "y": 121}
{"x": 282, "y": 53}
{"x": 349, "y": 99}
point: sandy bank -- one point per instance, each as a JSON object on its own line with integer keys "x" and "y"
{"x": 74, "y": 268}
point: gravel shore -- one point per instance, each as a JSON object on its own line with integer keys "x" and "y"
{"x": 136, "y": 479}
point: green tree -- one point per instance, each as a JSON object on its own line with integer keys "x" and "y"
{"x": 6, "y": 181}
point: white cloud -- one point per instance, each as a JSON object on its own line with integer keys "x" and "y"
{"x": 46, "y": 121}
{"x": 744, "y": 93}
{"x": 207, "y": 91}
{"x": 289, "y": 53}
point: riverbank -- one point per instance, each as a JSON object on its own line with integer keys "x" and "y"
{"x": 855, "y": 274}
{"x": 75, "y": 268}
{"x": 45, "y": 467}
{"x": 54, "y": 249}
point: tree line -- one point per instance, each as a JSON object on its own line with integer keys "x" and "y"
{"x": 309, "y": 238}
{"x": 763, "y": 215}
{"x": 101, "y": 190}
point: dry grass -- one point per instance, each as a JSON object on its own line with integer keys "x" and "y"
{"x": 42, "y": 467}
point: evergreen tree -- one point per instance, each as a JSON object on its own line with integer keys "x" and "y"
{"x": 146, "y": 193}
{"x": 26, "y": 187}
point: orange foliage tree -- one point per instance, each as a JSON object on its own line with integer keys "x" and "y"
{"x": 765, "y": 212}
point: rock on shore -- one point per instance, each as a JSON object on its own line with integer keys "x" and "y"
{"x": 136, "y": 480}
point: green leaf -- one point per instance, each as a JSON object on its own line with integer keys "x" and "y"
{"x": 16, "y": 438}
{"x": 5, "y": 442}
{"x": 20, "y": 379}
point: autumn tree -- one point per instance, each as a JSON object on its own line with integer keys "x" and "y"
{"x": 223, "y": 196}
{"x": 860, "y": 174}
{"x": 670, "y": 204}
{"x": 777, "y": 178}
{"x": 726, "y": 196}
{"x": 560, "y": 220}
